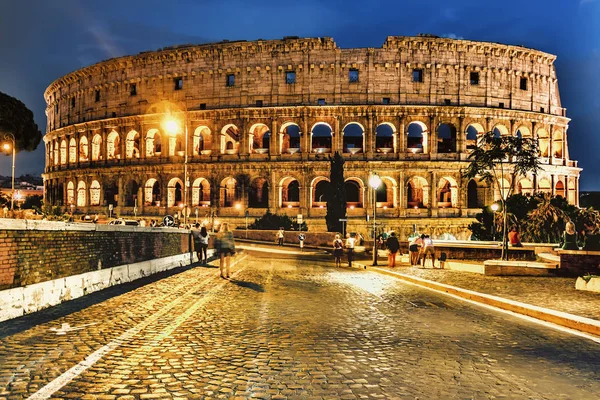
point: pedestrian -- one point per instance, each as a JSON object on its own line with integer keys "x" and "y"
{"x": 570, "y": 237}
{"x": 514, "y": 238}
{"x": 350, "y": 241}
{"x": 301, "y": 240}
{"x": 196, "y": 239}
{"x": 225, "y": 248}
{"x": 428, "y": 249}
{"x": 393, "y": 246}
{"x": 338, "y": 250}
{"x": 413, "y": 249}
{"x": 280, "y": 236}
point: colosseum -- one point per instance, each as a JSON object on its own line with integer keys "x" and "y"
{"x": 235, "y": 129}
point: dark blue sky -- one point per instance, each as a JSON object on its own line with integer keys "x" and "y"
{"x": 43, "y": 40}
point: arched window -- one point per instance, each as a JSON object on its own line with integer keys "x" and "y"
{"x": 258, "y": 193}
{"x": 384, "y": 139}
{"x": 321, "y": 193}
{"x": 446, "y": 138}
{"x": 417, "y": 193}
{"x": 70, "y": 193}
{"x": 472, "y": 135}
{"x": 353, "y": 140}
{"x": 290, "y": 142}
{"x": 94, "y": 193}
{"x": 63, "y": 152}
{"x": 353, "y": 194}
{"x": 560, "y": 189}
{"x": 202, "y": 141}
{"x": 132, "y": 145}
{"x": 321, "y": 136}
{"x": 72, "y": 151}
{"x": 290, "y": 192}
{"x": 416, "y": 140}
{"x": 230, "y": 192}
{"x": 113, "y": 148}
{"x": 81, "y": 194}
{"x": 201, "y": 193}
{"x": 153, "y": 143}
{"x": 230, "y": 139}
{"x": 83, "y": 149}
{"x": 261, "y": 136}
{"x": 96, "y": 147}
{"x": 152, "y": 193}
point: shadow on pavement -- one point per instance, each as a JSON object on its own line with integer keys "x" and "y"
{"x": 250, "y": 285}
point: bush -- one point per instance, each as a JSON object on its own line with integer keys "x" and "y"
{"x": 273, "y": 222}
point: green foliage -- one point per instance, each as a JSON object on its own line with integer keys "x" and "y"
{"x": 32, "y": 201}
{"x": 546, "y": 223}
{"x": 17, "y": 119}
{"x": 336, "y": 199}
{"x": 271, "y": 221}
{"x": 51, "y": 213}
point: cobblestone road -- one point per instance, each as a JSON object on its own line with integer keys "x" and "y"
{"x": 283, "y": 329}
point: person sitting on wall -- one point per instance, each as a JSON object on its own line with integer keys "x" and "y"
{"x": 570, "y": 237}
{"x": 513, "y": 237}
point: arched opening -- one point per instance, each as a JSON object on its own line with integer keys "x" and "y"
{"x": 321, "y": 192}
{"x": 500, "y": 130}
{"x": 83, "y": 149}
{"x": 290, "y": 192}
{"x": 94, "y": 193}
{"x": 321, "y": 138}
{"x": 152, "y": 192}
{"x": 56, "y": 148}
{"x": 557, "y": 144}
{"x": 63, "y": 152}
{"x": 96, "y": 147}
{"x": 70, "y": 193}
{"x": 417, "y": 193}
{"x": 353, "y": 194}
{"x": 230, "y": 192}
{"x": 111, "y": 194}
{"x": 446, "y": 136}
{"x": 353, "y": 138}
{"x": 475, "y": 195}
{"x": 384, "y": 138}
{"x": 544, "y": 186}
{"x": 290, "y": 142}
{"x": 258, "y": 193}
{"x": 153, "y": 143}
{"x": 72, "y": 151}
{"x": 202, "y": 141}
{"x": 472, "y": 133}
{"x": 113, "y": 148}
{"x": 525, "y": 187}
{"x": 416, "y": 141}
{"x": 175, "y": 193}
{"x": 230, "y": 139}
{"x": 201, "y": 193}
{"x": 132, "y": 145}
{"x": 543, "y": 142}
{"x": 260, "y": 136}
{"x": 131, "y": 193}
{"x": 559, "y": 189}
{"x": 81, "y": 194}
{"x": 447, "y": 194}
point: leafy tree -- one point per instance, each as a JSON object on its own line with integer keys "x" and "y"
{"x": 546, "y": 223}
{"x": 32, "y": 201}
{"x": 336, "y": 200}
{"x": 500, "y": 157}
{"x": 271, "y": 221}
{"x": 17, "y": 119}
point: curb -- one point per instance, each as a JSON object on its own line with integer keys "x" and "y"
{"x": 567, "y": 320}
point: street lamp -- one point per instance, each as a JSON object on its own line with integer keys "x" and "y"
{"x": 374, "y": 182}
{"x": 7, "y": 147}
{"x": 494, "y": 208}
{"x": 172, "y": 126}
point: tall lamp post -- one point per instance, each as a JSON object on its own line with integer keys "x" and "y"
{"x": 374, "y": 182}
{"x": 7, "y": 147}
{"x": 172, "y": 127}
{"x": 494, "y": 208}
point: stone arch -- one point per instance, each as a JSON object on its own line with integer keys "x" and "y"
{"x": 476, "y": 193}
{"x": 113, "y": 148}
{"x": 385, "y": 138}
{"x": 290, "y": 138}
{"x": 559, "y": 189}
{"x": 260, "y": 136}
{"x": 557, "y": 144}
{"x": 201, "y": 192}
{"x": 321, "y": 138}
{"x": 354, "y": 192}
{"x": 446, "y": 137}
{"x": 385, "y": 194}
{"x": 525, "y": 187}
{"x": 56, "y": 146}
{"x": 82, "y": 194}
{"x": 416, "y": 138}
{"x": 571, "y": 190}
{"x": 544, "y": 186}
{"x": 83, "y": 149}
{"x": 111, "y": 193}
{"x": 320, "y": 192}
{"x": 131, "y": 193}
{"x": 96, "y": 147}
{"x": 258, "y": 193}
{"x": 95, "y": 189}
{"x": 72, "y": 151}
{"x": 543, "y": 142}
{"x": 289, "y": 192}
{"x": 472, "y": 133}
{"x": 63, "y": 152}
{"x": 132, "y": 144}
{"x": 447, "y": 192}
{"x": 230, "y": 192}
{"x": 230, "y": 139}
{"x": 202, "y": 141}
{"x": 417, "y": 192}
{"x": 153, "y": 143}
{"x": 175, "y": 192}
{"x": 523, "y": 132}
{"x": 70, "y": 193}
{"x": 152, "y": 192}
{"x": 500, "y": 130}
{"x": 353, "y": 138}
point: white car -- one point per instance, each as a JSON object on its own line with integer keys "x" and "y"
{"x": 120, "y": 221}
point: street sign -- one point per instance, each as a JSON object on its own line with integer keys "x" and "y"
{"x": 299, "y": 218}
{"x": 343, "y": 220}
{"x": 168, "y": 220}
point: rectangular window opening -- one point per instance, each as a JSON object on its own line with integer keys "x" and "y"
{"x": 321, "y": 102}
{"x": 385, "y": 100}
{"x": 203, "y": 106}
{"x": 353, "y": 76}
{"x": 417, "y": 75}
{"x": 447, "y": 102}
{"x": 97, "y": 96}
{"x": 290, "y": 77}
{"x": 501, "y": 105}
{"x": 542, "y": 110}
{"x": 72, "y": 102}
{"x": 178, "y": 83}
{"x": 259, "y": 103}
{"x": 133, "y": 89}
{"x": 230, "y": 80}
{"x": 523, "y": 84}
{"x": 474, "y": 77}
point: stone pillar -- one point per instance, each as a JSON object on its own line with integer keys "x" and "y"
{"x": 104, "y": 148}
{"x": 461, "y": 136}
{"x": 370, "y": 142}
{"x": 433, "y": 127}
{"x": 245, "y": 137}
{"x": 120, "y": 197}
{"x": 401, "y": 137}
{"x": 304, "y": 138}
{"x": 338, "y": 137}
{"x": 274, "y": 140}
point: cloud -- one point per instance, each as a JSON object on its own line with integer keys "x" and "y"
{"x": 583, "y": 2}
{"x": 451, "y": 36}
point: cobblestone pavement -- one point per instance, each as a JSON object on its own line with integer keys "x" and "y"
{"x": 292, "y": 329}
{"x": 555, "y": 293}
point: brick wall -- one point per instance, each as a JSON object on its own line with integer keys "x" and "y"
{"x": 39, "y": 251}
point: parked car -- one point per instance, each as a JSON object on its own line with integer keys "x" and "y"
{"x": 121, "y": 221}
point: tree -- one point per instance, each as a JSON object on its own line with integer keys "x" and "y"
{"x": 336, "y": 199}
{"x": 499, "y": 157}
{"x": 17, "y": 119}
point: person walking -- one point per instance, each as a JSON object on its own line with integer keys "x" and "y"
{"x": 350, "y": 241}
{"x": 338, "y": 250}
{"x": 225, "y": 248}
{"x": 393, "y": 245}
{"x": 301, "y": 240}
{"x": 280, "y": 236}
{"x": 428, "y": 249}
{"x": 203, "y": 251}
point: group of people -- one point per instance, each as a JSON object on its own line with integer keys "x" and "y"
{"x": 224, "y": 247}
{"x": 419, "y": 247}
{"x": 338, "y": 249}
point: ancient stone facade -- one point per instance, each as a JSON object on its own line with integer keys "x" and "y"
{"x": 251, "y": 126}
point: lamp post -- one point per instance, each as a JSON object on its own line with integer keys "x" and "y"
{"x": 172, "y": 127}
{"x": 494, "y": 208}
{"x": 374, "y": 182}
{"x": 7, "y": 147}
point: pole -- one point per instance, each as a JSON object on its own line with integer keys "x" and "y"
{"x": 12, "y": 197}
{"x": 185, "y": 178}
{"x": 374, "y": 227}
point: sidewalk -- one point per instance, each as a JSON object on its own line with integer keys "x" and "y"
{"x": 553, "y": 299}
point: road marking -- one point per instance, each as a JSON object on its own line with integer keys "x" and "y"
{"x": 66, "y": 328}
{"x": 68, "y": 376}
